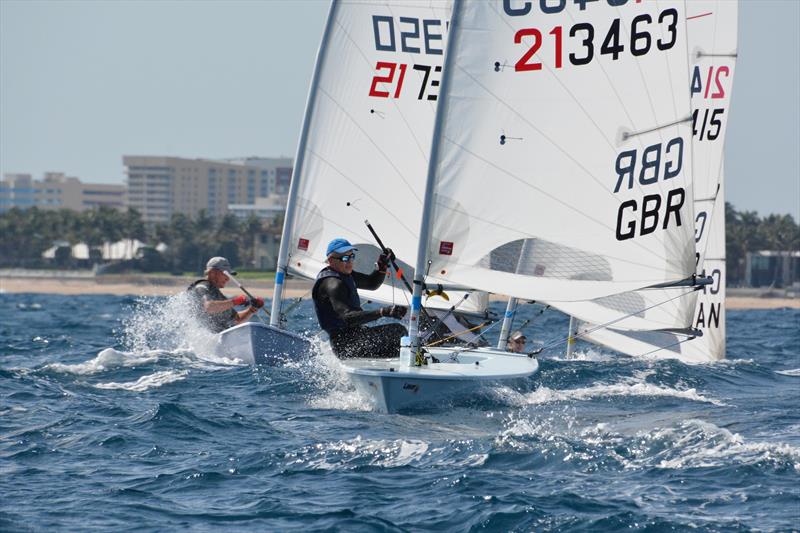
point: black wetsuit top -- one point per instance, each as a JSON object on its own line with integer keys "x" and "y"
{"x": 202, "y": 290}
{"x": 336, "y": 300}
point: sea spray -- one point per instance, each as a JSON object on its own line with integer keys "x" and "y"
{"x": 166, "y": 324}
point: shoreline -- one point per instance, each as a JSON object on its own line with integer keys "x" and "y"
{"x": 122, "y": 285}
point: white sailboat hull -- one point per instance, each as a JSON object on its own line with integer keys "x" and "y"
{"x": 392, "y": 387}
{"x": 256, "y": 343}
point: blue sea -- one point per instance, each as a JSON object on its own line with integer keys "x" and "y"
{"x": 114, "y": 417}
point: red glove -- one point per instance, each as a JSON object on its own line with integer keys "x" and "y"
{"x": 240, "y": 300}
{"x": 258, "y": 303}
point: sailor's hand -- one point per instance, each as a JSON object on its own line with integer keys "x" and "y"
{"x": 394, "y": 311}
{"x": 258, "y": 303}
{"x": 239, "y": 300}
{"x": 384, "y": 259}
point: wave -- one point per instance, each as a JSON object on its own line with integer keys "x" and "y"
{"x": 359, "y": 452}
{"x": 107, "y": 359}
{"x": 795, "y": 372}
{"x": 149, "y": 381}
{"x": 544, "y": 395}
{"x": 698, "y": 444}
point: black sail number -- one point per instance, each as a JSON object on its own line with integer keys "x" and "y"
{"x": 588, "y": 43}
{"x": 672, "y": 28}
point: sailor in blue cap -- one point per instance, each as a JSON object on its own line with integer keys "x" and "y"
{"x": 339, "y": 311}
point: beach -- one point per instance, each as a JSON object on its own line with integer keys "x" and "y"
{"x": 142, "y": 285}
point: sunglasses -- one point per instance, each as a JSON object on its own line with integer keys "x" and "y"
{"x": 347, "y": 258}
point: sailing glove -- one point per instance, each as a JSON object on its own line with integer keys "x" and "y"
{"x": 239, "y": 300}
{"x": 394, "y": 311}
{"x": 258, "y": 303}
{"x": 384, "y": 259}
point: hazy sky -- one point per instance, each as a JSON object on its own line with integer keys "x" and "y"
{"x": 82, "y": 83}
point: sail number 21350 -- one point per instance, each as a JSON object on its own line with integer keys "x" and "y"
{"x": 590, "y": 42}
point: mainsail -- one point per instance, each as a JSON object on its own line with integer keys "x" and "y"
{"x": 367, "y": 134}
{"x": 566, "y": 126}
{"x": 712, "y": 33}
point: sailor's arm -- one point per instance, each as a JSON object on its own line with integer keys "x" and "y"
{"x": 244, "y": 316}
{"x": 371, "y": 281}
{"x": 220, "y": 306}
{"x": 337, "y": 294}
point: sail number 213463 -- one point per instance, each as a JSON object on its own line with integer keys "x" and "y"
{"x": 591, "y": 42}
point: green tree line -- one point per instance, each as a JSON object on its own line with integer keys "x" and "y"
{"x": 25, "y": 234}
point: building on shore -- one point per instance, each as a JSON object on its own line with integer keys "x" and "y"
{"x": 768, "y": 268}
{"x": 160, "y": 186}
{"x": 58, "y": 191}
{"x": 267, "y": 209}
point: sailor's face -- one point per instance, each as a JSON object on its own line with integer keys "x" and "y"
{"x": 343, "y": 263}
{"x": 217, "y": 278}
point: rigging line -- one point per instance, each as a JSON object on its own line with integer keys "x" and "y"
{"x": 544, "y": 193}
{"x": 372, "y": 142}
{"x": 398, "y": 220}
{"x": 602, "y": 326}
{"x": 440, "y": 341}
{"x": 447, "y": 315}
{"x": 394, "y": 102}
{"x": 469, "y": 347}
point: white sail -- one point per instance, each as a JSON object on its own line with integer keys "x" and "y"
{"x": 566, "y": 125}
{"x": 369, "y": 135}
{"x": 712, "y": 31}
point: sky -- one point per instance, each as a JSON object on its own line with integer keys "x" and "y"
{"x": 83, "y": 83}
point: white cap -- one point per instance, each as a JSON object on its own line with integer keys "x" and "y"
{"x": 220, "y": 263}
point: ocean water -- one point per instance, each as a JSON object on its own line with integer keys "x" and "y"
{"x": 115, "y": 416}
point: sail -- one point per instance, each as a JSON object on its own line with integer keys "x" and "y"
{"x": 712, "y": 31}
{"x": 370, "y": 123}
{"x": 567, "y": 125}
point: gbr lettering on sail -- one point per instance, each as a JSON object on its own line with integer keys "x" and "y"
{"x": 646, "y": 170}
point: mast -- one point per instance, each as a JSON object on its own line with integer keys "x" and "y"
{"x": 511, "y": 308}
{"x": 573, "y": 326}
{"x": 291, "y": 203}
{"x": 433, "y": 163}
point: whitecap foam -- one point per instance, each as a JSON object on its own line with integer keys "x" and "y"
{"x": 700, "y": 444}
{"x": 795, "y": 372}
{"x": 592, "y": 355}
{"x": 544, "y": 395}
{"x": 347, "y": 454}
{"x": 149, "y": 381}
{"x": 107, "y": 359}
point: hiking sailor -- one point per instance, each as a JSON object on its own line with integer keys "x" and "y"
{"x": 339, "y": 310}
{"x": 212, "y": 308}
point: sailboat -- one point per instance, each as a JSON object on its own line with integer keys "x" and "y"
{"x": 712, "y": 34}
{"x": 561, "y": 170}
{"x": 363, "y": 151}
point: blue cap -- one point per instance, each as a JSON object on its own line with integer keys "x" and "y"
{"x": 339, "y": 246}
